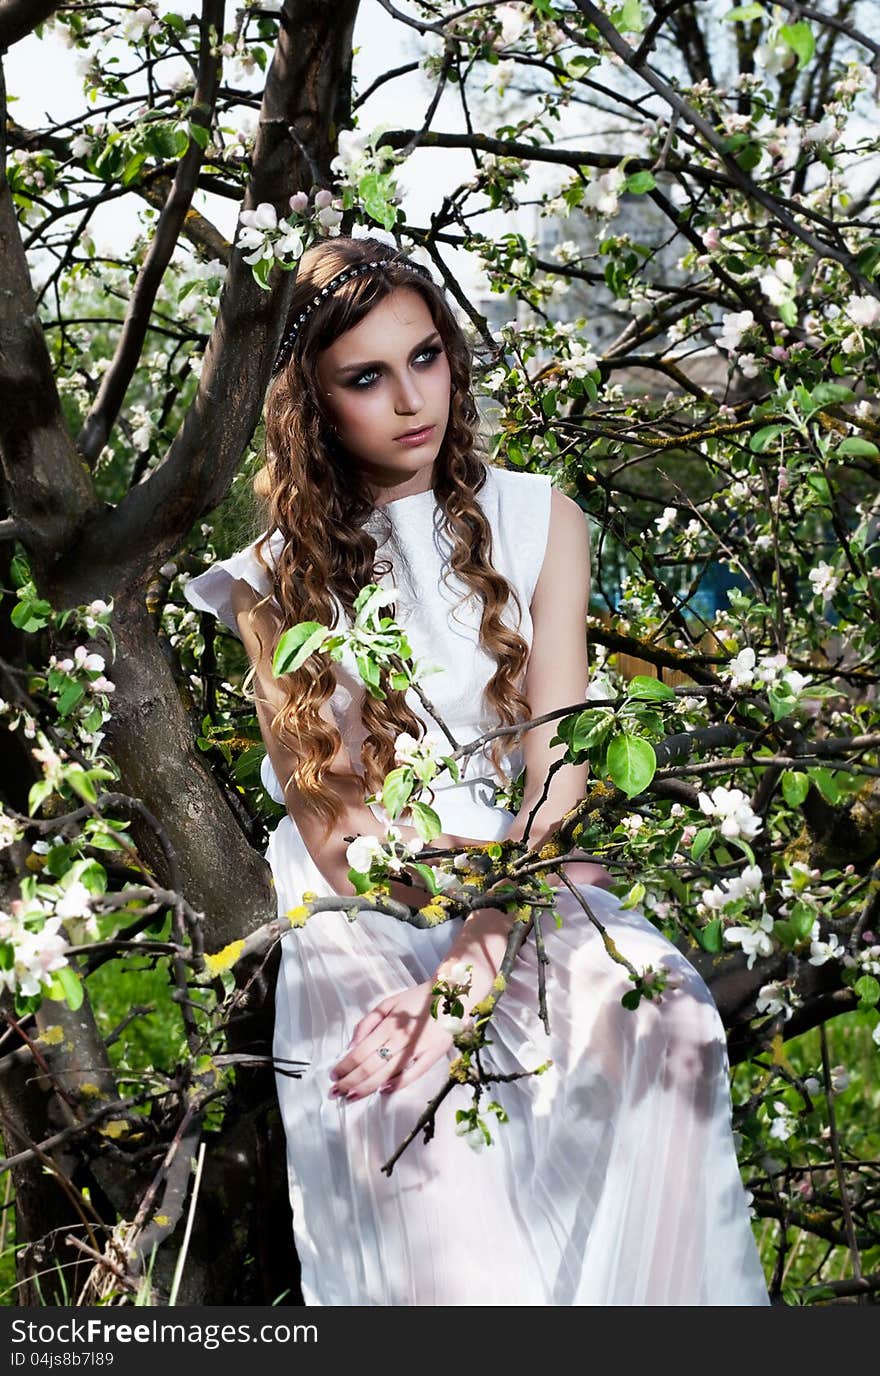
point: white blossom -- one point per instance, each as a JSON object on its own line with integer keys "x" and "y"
{"x": 733, "y": 808}
{"x": 775, "y": 55}
{"x": 784, "y": 1124}
{"x": 472, "y": 1135}
{"x": 513, "y": 19}
{"x": 755, "y": 941}
{"x": 581, "y": 360}
{"x": 362, "y": 851}
{"x": 139, "y": 24}
{"x": 863, "y": 311}
{"x": 740, "y": 671}
{"x": 602, "y": 194}
{"x": 75, "y": 903}
{"x": 825, "y": 131}
{"x": 667, "y": 519}
{"x": 825, "y": 581}
{"x": 773, "y": 998}
{"x": 822, "y": 951}
{"x": 777, "y": 282}
{"x": 36, "y": 957}
{"x": 733, "y": 327}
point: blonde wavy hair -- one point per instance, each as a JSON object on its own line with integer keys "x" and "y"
{"x": 314, "y": 495}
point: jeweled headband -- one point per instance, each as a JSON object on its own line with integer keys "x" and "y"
{"x": 286, "y": 347}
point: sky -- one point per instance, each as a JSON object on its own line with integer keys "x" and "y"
{"x": 42, "y": 74}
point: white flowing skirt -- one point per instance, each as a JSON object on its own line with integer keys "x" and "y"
{"x": 615, "y": 1180}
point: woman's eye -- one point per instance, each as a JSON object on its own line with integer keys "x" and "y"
{"x": 367, "y": 379}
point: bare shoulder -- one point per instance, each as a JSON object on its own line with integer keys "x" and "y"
{"x": 567, "y": 557}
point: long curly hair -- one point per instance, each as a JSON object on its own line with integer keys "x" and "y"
{"x": 316, "y": 498}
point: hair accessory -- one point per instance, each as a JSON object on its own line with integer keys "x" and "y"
{"x": 286, "y": 347}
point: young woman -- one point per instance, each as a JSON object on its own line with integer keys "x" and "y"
{"x": 615, "y": 1180}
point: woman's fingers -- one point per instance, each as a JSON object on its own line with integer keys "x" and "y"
{"x": 367, "y": 1025}
{"x": 372, "y": 1072}
{"x": 414, "y": 1071}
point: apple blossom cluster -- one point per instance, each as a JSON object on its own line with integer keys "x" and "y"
{"x": 746, "y": 670}
{"x": 748, "y": 885}
{"x": 425, "y": 756}
{"x": 267, "y": 238}
{"x": 32, "y": 947}
{"x": 778, "y": 998}
{"x": 366, "y": 851}
{"x": 755, "y": 939}
{"x": 733, "y": 809}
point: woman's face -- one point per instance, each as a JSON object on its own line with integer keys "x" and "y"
{"x": 387, "y": 376}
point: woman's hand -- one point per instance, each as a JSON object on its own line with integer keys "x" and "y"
{"x": 404, "y": 1024}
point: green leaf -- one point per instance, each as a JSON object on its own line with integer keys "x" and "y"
{"x": 643, "y": 686}
{"x": 702, "y": 839}
{"x": 826, "y": 783}
{"x": 628, "y": 17}
{"x": 66, "y": 986}
{"x": 711, "y": 936}
{"x": 199, "y": 134}
{"x": 799, "y": 38}
{"x": 30, "y": 615}
{"x": 801, "y": 919}
{"x": 425, "y": 821}
{"x": 744, "y": 14}
{"x": 782, "y": 703}
{"x": 295, "y": 646}
{"x": 868, "y": 990}
{"x": 795, "y": 787}
{"x": 397, "y": 789}
{"x": 830, "y": 394}
{"x": 631, "y": 762}
{"x": 81, "y": 783}
{"x": 762, "y": 439}
{"x": 858, "y": 447}
{"x": 635, "y": 895}
{"x": 639, "y": 183}
{"x": 632, "y": 999}
{"x": 868, "y": 260}
{"x": 786, "y": 310}
{"x": 428, "y": 875}
{"x": 590, "y": 728}
{"x": 819, "y": 484}
{"x": 69, "y": 698}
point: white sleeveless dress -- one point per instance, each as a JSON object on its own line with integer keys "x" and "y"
{"x": 615, "y": 1180}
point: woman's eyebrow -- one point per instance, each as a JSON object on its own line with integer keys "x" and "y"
{"x": 378, "y": 362}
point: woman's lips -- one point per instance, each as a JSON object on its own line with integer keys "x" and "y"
{"x": 419, "y": 437}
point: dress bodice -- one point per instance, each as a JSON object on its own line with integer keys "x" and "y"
{"x": 440, "y": 614}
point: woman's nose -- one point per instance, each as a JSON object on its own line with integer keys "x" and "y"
{"x": 408, "y": 399}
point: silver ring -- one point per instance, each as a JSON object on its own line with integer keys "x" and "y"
{"x": 385, "y": 1053}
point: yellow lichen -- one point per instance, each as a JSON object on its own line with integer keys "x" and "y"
{"x": 550, "y": 851}
{"x": 114, "y": 1127}
{"x": 499, "y": 983}
{"x": 435, "y": 911}
{"x": 89, "y": 1091}
{"x": 224, "y": 960}
{"x": 297, "y": 917}
{"x": 52, "y": 1035}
